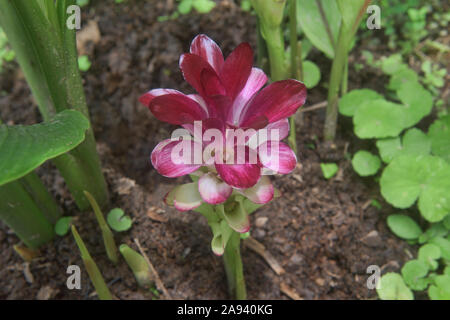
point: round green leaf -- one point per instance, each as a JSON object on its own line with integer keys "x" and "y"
{"x": 118, "y": 221}
{"x": 403, "y": 226}
{"x": 444, "y": 246}
{"x": 416, "y": 142}
{"x": 407, "y": 177}
{"x": 414, "y": 273}
{"x": 352, "y": 100}
{"x": 429, "y": 253}
{"x": 393, "y": 64}
{"x": 441, "y": 289}
{"x": 24, "y": 148}
{"x": 311, "y": 74}
{"x": 402, "y": 76}
{"x": 417, "y": 101}
{"x": 185, "y": 6}
{"x": 389, "y": 148}
{"x": 439, "y": 133}
{"x": 84, "y": 63}
{"x": 365, "y": 163}
{"x": 329, "y": 169}
{"x": 378, "y": 119}
{"x": 62, "y": 226}
{"x": 392, "y": 287}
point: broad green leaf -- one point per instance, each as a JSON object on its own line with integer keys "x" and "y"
{"x": 410, "y": 177}
{"x": 203, "y": 6}
{"x": 429, "y": 253}
{"x": 379, "y": 119}
{"x": 447, "y": 222}
{"x": 392, "y": 287}
{"x": 414, "y": 273}
{"x": 444, "y": 245}
{"x": 329, "y": 169}
{"x": 62, "y": 226}
{"x": 24, "y": 148}
{"x": 365, "y": 163}
{"x": 437, "y": 230}
{"x": 417, "y": 101}
{"x": 118, "y": 221}
{"x": 389, "y": 148}
{"x": 355, "y": 98}
{"x": 439, "y": 133}
{"x": 185, "y": 6}
{"x": 414, "y": 142}
{"x": 314, "y": 26}
{"x": 311, "y": 74}
{"x": 402, "y": 76}
{"x": 403, "y": 226}
{"x": 441, "y": 289}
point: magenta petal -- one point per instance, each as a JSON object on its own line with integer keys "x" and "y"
{"x": 177, "y": 109}
{"x": 260, "y": 193}
{"x": 241, "y": 173}
{"x": 274, "y": 131}
{"x": 277, "y": 156}
{"x": 146, "y": 98}
{"x": 211, "y": 83}
{"x": 192, "y": 67}
{"x": 206, "y": 48}
{"x": 236, "y": 69}
{"x": 169, "y": 162}
{"x": 277, "y": 101}
{"x": 256, "y": 81}
{"x": 213, "y": 190}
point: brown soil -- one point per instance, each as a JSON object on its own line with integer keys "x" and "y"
{"x": 323, "y": 233}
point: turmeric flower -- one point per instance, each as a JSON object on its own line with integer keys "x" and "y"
{"x": 232, "y": 106}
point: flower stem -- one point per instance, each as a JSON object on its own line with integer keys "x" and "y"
{"x": 234, "y": 268}
{"x": 294, "y": 65}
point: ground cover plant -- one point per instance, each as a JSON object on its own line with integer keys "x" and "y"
{"x": 279, "y": 149}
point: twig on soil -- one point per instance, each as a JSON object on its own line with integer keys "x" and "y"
{"x": 259, "y": 248}
{"x": 289, "y": 292}
{"x": 316, "y": 106}
{"x": 158, "y": 281}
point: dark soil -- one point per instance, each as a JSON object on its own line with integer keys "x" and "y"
{"x": 323, "y": 233}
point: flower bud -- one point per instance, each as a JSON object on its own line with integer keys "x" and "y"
{"x": 270, "y": 12}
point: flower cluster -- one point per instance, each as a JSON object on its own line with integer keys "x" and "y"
{"x": 229, "y": 98}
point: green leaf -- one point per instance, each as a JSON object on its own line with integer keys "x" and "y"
{"x": 311, "y": 74}
{"x": 365, "y": 163}
{"x": 24, "y": 148}
{"x": 408, "y": 177}
{"x": 404, "y": 227}
{"x": 185, "y": 6}
{"x": 439, "y": 133}
{"x": 444, "y": 246}
{"x": 311, "y": 22}
{"x": 378, "y": 119}
{"x": 441, "y": 289}
{"x": 447, "y": 222}
{"x": 402, "y": 76}
{"x": 351, "y": 12}
{"x": 392, "y": 287}
{"x": 329, "y": 170}
{"x": 62, "y": 226}
{"x": 393, "y": 64}
{"x": 417, "y": 101}
{"x": 352, "y": 100}
{"x": 118, "y": 221}
{"x": 414, "y": 273}
{"x": 203, "y": 6}
{"x": 389, "y": 148}
{"x": 415, "y": 142}
{"x": 429, "y": 253}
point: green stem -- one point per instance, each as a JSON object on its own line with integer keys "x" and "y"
{"x": 92, "y": 269}
{"x": 344, "y": 86}
{"x": 337, "y": 71}
{"x": 234, "y": 268}
{"x": 23, "y": 216}
{"x": 261, "y": 56}
{"x": 275, "y": 48}
{"x": 42, "y": 197}
{"x": 138, "y": 265}
{"x": 292, "y": 139}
